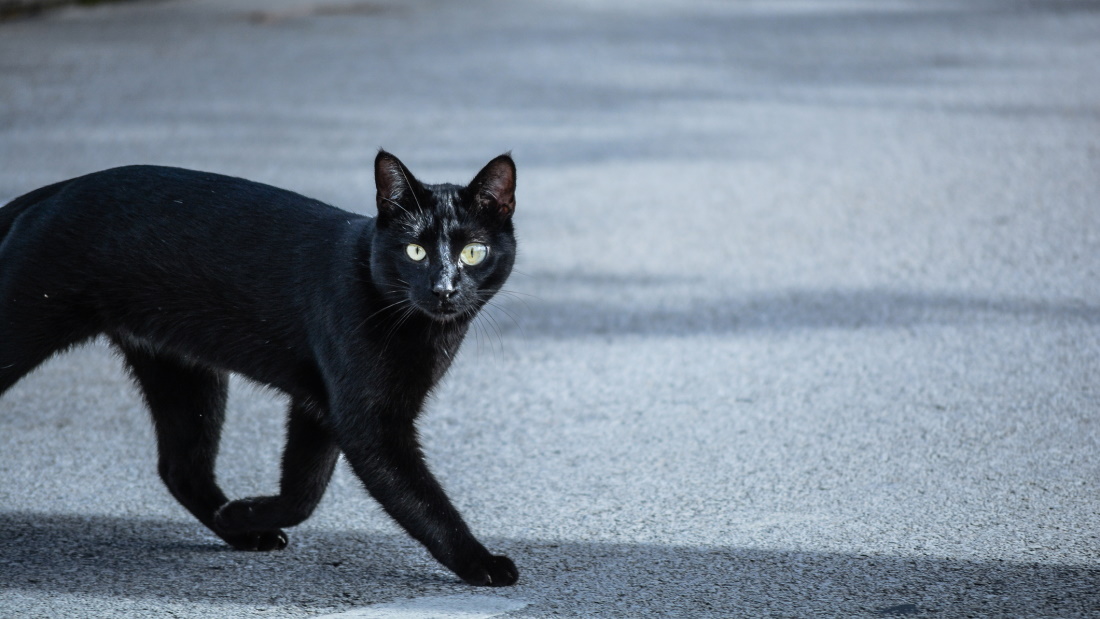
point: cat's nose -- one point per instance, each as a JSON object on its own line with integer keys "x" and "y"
{"x": 443, "y": 289}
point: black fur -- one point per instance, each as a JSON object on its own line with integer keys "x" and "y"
{"x": 193, "y": 275}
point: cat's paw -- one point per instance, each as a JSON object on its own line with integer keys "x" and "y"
{"x": 235, "y": 523}
{"x": 261, "y": 541}
{"x": 239, "y": 515}
{"x": 490, "y": 571}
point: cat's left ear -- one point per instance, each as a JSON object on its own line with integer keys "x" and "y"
{"x": 494, "y": 187}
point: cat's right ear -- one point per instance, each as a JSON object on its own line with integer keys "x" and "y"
{"x": 393, "y": 181}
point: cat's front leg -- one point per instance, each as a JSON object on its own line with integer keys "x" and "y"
{"x": 386, "y": 456}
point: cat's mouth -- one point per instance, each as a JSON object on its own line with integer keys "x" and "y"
{"x": 443, "y": 311}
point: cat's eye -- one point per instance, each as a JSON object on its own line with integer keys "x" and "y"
{"x": 416, "y": 252}
{"x": 474, "y": 253}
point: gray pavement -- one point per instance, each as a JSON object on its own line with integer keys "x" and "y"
{"x": 806, "y": 321}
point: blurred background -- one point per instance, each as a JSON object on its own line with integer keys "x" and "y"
{"x": 805, "y": 320}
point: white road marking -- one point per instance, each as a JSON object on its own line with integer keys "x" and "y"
{"x": 472, "y": 606}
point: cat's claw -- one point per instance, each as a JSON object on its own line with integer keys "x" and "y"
{"x": 492, "y": 571}
{"x": 261, "y": 541}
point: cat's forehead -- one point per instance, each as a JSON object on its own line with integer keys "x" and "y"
{"x": 445, "y": 215}
{"x": 446, "y": 209}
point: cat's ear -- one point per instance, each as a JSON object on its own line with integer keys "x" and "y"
{"x": 393, "y": 181}
{"x": 494, "y": 187}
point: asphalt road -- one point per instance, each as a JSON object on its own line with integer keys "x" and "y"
{"x": 806, "y": 321}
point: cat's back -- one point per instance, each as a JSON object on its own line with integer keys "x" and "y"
{"x": 160, "y": 209}
{"x": 146, "y": 189}
{"x": 161, "y": 227}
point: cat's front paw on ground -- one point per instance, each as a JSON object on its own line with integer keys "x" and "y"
{"x": 261, "y": 541}
{"x": 490, "y": 571}
{"x": 235, "y": 523}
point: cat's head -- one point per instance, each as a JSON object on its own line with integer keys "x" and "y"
{"x": 443, "y": 250}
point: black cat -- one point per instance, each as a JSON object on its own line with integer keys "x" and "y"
{"x": 194, "y": 275}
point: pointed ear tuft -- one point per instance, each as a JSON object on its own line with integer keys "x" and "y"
{"x": 494, "y": 187}
{"x": 393, "y": 181}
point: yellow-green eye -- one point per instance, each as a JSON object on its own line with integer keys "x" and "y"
{"x": 416, "y": 252}
{"x": 474, "y": 253}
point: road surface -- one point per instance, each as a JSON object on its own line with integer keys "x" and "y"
{"x": 806, "y": 320}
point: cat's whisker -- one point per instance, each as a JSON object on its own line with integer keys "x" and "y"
{"x": 515, "y": 296}
{"x": 400, "y": 285}
{"x": 509, "y": 314}
{"x": 484, "y": 319}
{"x": 488, "y": 294}
{"x": 494, "y": 303}
{"x": 483, "y": 325}
{"x": 395, "y": 303}
{"x": 496, "y": 327}
{"x": 477, "y": 338}
{"x": 406, "y": 313}
{"x": 520, "y": 294}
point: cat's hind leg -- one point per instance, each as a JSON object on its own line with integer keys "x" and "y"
{"x": 187, "y": 403}
{"x": 308, "y": 461}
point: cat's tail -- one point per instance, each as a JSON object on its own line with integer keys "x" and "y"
{"x": 12, "y": 210}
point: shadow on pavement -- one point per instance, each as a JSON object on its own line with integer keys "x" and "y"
{"x": 110, "y": 557}
{"x": 577, "y": 310}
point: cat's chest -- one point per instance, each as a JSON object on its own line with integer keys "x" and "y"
{"x": 443, "y": 358}
{"x": 421, "y": 356}
{"x": 438, "y": 355}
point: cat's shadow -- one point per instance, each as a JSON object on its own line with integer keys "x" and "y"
{"x": 330, "y": 570}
